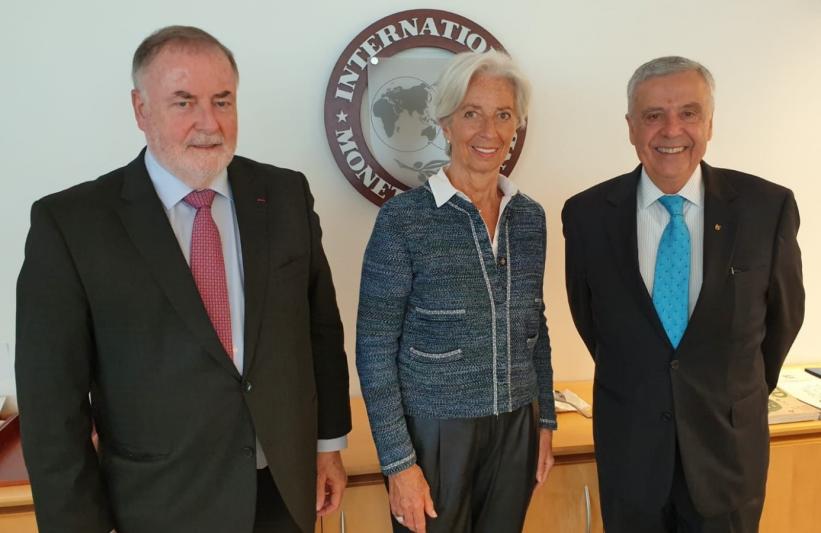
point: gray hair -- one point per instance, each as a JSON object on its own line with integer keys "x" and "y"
{"x": 454, "y": 81}
{"x": 186, "y": 37}
{"x": 664, "y": 66}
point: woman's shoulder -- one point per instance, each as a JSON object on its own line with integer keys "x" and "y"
{"x": 524, "y": 202}
{"x": 409, "y": 201}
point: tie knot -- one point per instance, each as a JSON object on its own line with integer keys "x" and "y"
{"x": 673, "y": 203}
{"x": 202, "y": 198}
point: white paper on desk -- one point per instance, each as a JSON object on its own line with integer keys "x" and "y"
{"x": 802, "y": 385}
{"x": 566, "y": 398}
{"x": 2, "y": 402}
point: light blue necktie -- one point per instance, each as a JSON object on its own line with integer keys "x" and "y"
{"x": 671, "y": 283}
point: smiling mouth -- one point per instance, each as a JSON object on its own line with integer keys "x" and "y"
{"x": 670, "y": 149}
{"x": 485, "y": 151}
{"x": 204, "y": 146}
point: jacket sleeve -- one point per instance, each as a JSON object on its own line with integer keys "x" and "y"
{"x": 54, "y": 362}
{"x": 785, "y": 294}
{"x": 542, "y": 359}
{"x": 327, "y": 342}
{"x": 578, "y": 290}
{"x": 383, "y": 293}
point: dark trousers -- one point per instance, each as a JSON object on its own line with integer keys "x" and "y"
{"x": 271, "y": 516}
{"x": 679, "y": 514}
{"x": 481, "y": 471}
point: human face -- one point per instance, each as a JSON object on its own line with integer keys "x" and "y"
{"x": 670, "y": 124}
{"x": 186, "y": 105}
{"x": 482, "y": 127}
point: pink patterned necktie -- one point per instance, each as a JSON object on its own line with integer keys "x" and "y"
{"x": 208, "y": 266}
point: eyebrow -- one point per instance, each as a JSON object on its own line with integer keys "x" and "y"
{"x": 696, "y": 105}
{"x": 476, "y": 106}
{"x": 188, "y": 96}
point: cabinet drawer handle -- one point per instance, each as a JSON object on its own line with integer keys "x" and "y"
{"x": 342, "y": 522}
{"x": 586, "y": 508}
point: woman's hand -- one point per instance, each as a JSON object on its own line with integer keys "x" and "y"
{"x": 409, "y": 495}
{"x": 545, "y": 462}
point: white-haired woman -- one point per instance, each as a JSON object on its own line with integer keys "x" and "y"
{"x": 452, "y": 345}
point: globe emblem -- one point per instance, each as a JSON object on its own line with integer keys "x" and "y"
{"x": 401, "y": 118}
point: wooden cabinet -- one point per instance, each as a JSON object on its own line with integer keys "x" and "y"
{"x": 793, "y": 501}
{"x": 16, "y": 506}
{"x": 16, "y": 510}
{"x": 568, "y": 502}
{"x": 364, "y": 509}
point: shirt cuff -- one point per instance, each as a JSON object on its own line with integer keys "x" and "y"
{"x": 332, "y": 445}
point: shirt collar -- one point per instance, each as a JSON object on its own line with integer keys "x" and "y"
{"x": 443, "y": 190}
{"x": 171, "y": 189}
{"x": 693, "y": 190}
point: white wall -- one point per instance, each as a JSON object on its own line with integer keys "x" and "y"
{"x": 65, "y": 96}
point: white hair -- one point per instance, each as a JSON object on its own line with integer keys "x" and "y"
{"x": 664, "y": 66}
{"x": 454, "y": 82}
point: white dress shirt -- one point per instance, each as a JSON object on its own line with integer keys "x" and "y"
{"x": 652, "y": 218}
{"x": 443, "y": 190}
{"x": 172, "y": 191}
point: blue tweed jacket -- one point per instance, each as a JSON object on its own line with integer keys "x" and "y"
{"x": 445, "y": 329}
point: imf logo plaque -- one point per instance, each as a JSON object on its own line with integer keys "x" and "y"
{"x": 378, "y": 114}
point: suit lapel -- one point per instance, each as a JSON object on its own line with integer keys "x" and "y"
{"x": 719, "y": 242}
{"x": 252, "y": 206}
{"x": 621, "y": 230}
{"x": 147, "y": 225}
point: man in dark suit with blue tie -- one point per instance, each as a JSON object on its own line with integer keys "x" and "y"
{"x": 183, "y": 305}
{"x": 684, "y": 281}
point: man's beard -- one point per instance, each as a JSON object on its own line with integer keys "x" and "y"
{"x": 195, "y": 167}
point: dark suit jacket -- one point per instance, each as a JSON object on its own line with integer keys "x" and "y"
{"x": 711, "y": 393}
{"x": 107, "y": 306}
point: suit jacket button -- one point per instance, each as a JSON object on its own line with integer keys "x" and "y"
{"x": 666, "y": 416}
{"x": 248, "y": 451}
{"x": 674, "y": 364}
{"x": 248, "y": 386}
{"x": 502, "y": 261}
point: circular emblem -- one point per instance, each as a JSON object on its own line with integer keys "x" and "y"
{"x": 378, "y": 117}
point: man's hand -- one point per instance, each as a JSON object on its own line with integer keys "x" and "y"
{"x": 409, "y": 495}
{"x": 330, "y": 482}
{"x": 545, "y": 461}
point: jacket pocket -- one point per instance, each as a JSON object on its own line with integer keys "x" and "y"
{"x": 291, "y": 268}
{"x": 439, "y": 315}
{"x": 134, "y": 454}
{"x": 749, "y": 409}
{"x": 445, "y": 357}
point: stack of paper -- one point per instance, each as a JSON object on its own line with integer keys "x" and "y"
{"x": 783, "y": 408}
{"x": 806, "y": 387}
{"x": 569, "y": 401}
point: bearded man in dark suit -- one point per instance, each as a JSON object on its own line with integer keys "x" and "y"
{"x": 685, "y": 283}
{"x": 183, "y": 306}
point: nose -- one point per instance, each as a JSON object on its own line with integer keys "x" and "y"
{"x": 488, "y": 127}
{"x": 672, "y": 125}
{"x": 206, "y": 120}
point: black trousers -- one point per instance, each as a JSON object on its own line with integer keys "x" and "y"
{"x": 481, "y": 471}
{"x": 679, "y": 514}
{"x": 271, "y": 516}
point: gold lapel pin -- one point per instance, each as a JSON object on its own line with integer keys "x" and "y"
{"x": 718, "y": 227}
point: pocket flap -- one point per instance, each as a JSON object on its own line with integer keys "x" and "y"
{"x": 439, "y": 314}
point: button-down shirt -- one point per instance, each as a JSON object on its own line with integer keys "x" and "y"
{"x": 443, "y": 190}
{"x": 172, "y": 191}
{"x": 652, "y": 218}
